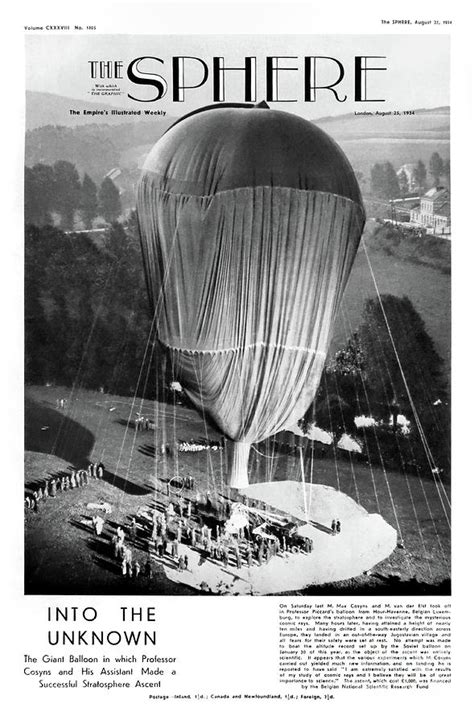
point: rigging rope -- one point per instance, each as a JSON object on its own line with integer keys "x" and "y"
{"x": 430, "y": 458}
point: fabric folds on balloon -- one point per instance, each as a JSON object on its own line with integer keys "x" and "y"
{"x": 246, "y": 257}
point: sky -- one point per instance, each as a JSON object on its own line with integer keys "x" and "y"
{"x": 416, "y": 76}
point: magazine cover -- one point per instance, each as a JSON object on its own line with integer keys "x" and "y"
{"x": 237, "y": 362}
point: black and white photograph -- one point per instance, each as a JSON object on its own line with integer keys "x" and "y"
{"x": 237, "y": 319}
{"x": 237, "y": 307}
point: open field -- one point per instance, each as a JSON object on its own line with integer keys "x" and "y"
{"x": 62, "y": 555}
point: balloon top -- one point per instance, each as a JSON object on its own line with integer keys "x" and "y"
{"x": 230, "y": 146}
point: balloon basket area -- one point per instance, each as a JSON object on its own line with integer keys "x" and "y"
{"x": 323, "y": 554}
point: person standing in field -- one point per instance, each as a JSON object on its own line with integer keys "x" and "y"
{"x": 249, "y": 556}
{"x": 98, "y": 524}
{"x": 147, "y": 570}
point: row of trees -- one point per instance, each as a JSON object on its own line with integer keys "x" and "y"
{"x": 386, "y": 183}
{"x": 90, "y": 147}
{"x": 87, "y": 318}
{"x": 59, "y": 190}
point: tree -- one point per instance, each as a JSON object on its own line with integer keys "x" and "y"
{"x": 403, "y": 182}
{"x": 60, "y": 335}
{"x": 67, "y": 192}
{"x": 350, "y": 360}
{"x": 384, "y": 181}
{"x": 419, "y": 174}
{"x": 376, "y": 179}
{"x": 38, "y": 365}
{"x": 39, "y": 194}
{"x": 391, "y": 186}
{"x": 109, "y": 201}
{"x": 87, "y": 315}
{"x": 389, "y": 364}
{"x": 447, "y": 171}
{"x": 337, "y": 401}
{"x": 402, "y": 365}
{"x": 89, "y": 205}
{"x": 399, "y": 355}
{"x": 436, "y": 167}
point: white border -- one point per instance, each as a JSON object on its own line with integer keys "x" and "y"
{"x": 22, "y": 618}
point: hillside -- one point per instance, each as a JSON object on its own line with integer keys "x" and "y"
{"x": 398, "y": 139}
{"x": 425, "y": 123}
{"x": 93, "y": 148}
{"x": 48, "y": 109}
{"x": 96, "y": 147}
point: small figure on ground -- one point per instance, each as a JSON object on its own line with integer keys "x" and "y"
{"x": 128, "y": 561}
{"x": 117, "y": 545}
{"x": 98, "y": 524}
{"x": 147, "y": 569}
{"x": 249, "y": 556}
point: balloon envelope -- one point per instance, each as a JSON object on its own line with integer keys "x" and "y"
{"x": 250, "y": 220}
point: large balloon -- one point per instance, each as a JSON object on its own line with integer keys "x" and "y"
{"x": 250, "y": 220}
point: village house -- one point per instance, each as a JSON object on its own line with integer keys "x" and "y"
{"x": 434, "y": 211}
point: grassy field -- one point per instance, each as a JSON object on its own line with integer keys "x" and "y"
{"x": 63, "y": 556}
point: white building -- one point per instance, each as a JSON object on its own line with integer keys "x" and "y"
{"x": 434, "y": 211}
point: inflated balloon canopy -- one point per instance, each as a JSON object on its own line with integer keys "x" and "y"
{"x": 250, "y": 220}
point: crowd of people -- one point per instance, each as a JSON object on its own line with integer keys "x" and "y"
{"x": 143, "y": 423}
{"x": 61, "y": 482}
{"x": 198, "y": 446}
{"x": 176, "y": 523}
{"x": 170, "y": 530}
